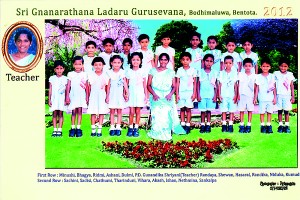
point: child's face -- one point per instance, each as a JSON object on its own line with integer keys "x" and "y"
{"x": 185, "y": 61}
{"x": 98, "y": 66}
{"x": 163, "y": 61}
{"x": 195, "y": 41}
{"x": 59, "y": 70}
{"x": 228, "y": 64}
{"x": 90, "y": 49}
{"x": 212, "y": 44}
{"x": 265, "y": 67}
{"x": 283, "y": 67}
{"x": 166, "y": 41}
{"x": 144, "y": 44}
{"x": 136, "y": 61}
{"x": 108, "y": 48}
{"x": 116, "y": 63}
{"x": 208, "y": 62}
{"x": 78, "y": 65}
{"x": 127, "y": 47}
{"x": 247, "y": 46}
{"x": 248, "y": 67}
{"x": 230, "y": 47}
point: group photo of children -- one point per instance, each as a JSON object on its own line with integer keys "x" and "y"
{"x": 181, "y": 82}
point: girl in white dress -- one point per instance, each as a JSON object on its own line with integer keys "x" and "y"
{"x": 136, "y": 78}
{"x": 97, "y": 107}
{"x": 117, "y": 93}
{"x": 76, "y": 96}
{"x": 56, "y": 98}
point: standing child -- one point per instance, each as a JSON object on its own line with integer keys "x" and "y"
{"x": 186, "y": 90}
{"x": 285, "y": 94}
{"x": 137, "y": 90}
{"x": 227, "y": 89}
{"x": 266, "y": 92}
{"x": 248, "y": 45}
{"x": 127, "y": 45}
{"x": 117, "y": 93}
{"x": 76, "y": 95}
{"x": 245, "y": 84}
{"x": 212, "y": 42}
{"x": 237, "y": 63}
{"x": 56, "y": 97}
{"x": 195, "y": 50}
{"x": 108, "y": 44}
{"x": 97, "y": 106}
{"x": 90, "y": 48}
{"x": 207, "y": 92}
{"x": 165, "y": 48}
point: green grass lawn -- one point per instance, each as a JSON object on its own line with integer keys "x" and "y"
{"x": 256, "y": 150}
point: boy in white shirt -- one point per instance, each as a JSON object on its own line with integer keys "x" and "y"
{"x": 237, "y": 63}
{"x": 108, "y": 44}
{"x": 285, "y": 94}
{"x": 90, "y": 48}
{"x": 165, "y": 48}
{"x": 247, "y": 46}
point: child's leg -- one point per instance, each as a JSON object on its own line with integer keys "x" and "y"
{"x": 182, "y": 114}
{"x": 286, "y": 117}
{"x": 203, "y": 117}
{"x": 119, "y": 118}
{"x": 208, "y": 117}
{"x": 223, "y": 116}
{"x": 242, "y": 118}
{"x": 224, "y": 126}
{"x": 137, "y": 115}
{"x": 93, "y": 121}
{"x": 79, "y": 117}
{"x": 262, "y": 119}
{"x": 188, "y": 115}
{"x": 112, "y": 117}
{"x": 269, "y": 117}
{"x": 61, "y": 118}
{"x": 54, "y": 119}
{"x": 131, "y": 116}
{"x": 280, "y": 117}
{"x": 73, "y": 118}
{"x": 249, "y": 118}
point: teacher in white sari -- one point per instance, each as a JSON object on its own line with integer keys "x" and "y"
{"x": 23, "y": 40}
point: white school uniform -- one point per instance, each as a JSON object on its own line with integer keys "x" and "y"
{"x": 58, "y": 92}
{"x": 106, "y": 57}
{"x": 197, "y": 56}
{"x": 254, "y": 58}
{"x": 136, "y": 87}
{"x": 217, "y": 58}
{"x": 88, "y": 67}
{"x": 169, "y": 50}
{"x": 236, "y": 59}
{"x": 116, "y": 98}
{"x": 148, "y": 56}
{"x": 246, "y": 91}
{"x": 77, "y": 92}
{"x": 126, "y": 65}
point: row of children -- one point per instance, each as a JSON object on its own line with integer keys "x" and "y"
{"x": 101, "y": 90}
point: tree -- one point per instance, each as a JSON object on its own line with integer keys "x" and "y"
{"x": 66, "y": 38}
{"x": 226, "y": 33}
{"x": 179, "y": 32}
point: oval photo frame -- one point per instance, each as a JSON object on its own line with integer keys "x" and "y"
{"x": 5, "y": 46}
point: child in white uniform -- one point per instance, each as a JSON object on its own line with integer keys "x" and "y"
{"x": 212, "y": 42}
{"x": 76, "y": 95}
{"x": 196, "y": 50}
{"x": 186, "y": 90}
{"x": 108, "y": 44}
{"x": 127, "y": 45}
{"x": 165, "y": 48}
{"x": 237, "y": 61}
{"x": 285, "y": 94}
{"x": 247, "y": 45}
{"x": 56, "y": 98}
{"x": 97, "y": 106}
{"x": 90, "y": 48}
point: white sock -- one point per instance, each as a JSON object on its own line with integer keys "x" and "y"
{"x": 268, "y": 123}
{"x": 100, "y": 126}
{"x": 280, "y": 124}
{"x": 202, "y": 124}
{"x": 136, "y": 126}
{"x": 99, "y": 130}
{"x": 223, "y": 122}
{"x": 182, "y": 123}
{"x": 118, "y": 127}
{"x": 59, "y": 129}
{"x": 287, "y": 123}
{"x": 262, "y": 124}
{"x": 131, "y": 126}
{"x": 249, "y": 124}
{"x": 112, "y": 127}
{"x": 230, "y": 122}
{"x": 93, "y": 129}
{"x": 208, "y": 123}
{"x": 242, "y": 123}
{"x": 55, "y": 129}
{"x": 188, "y": 124}
{"x": 73, "y": 126}
{"x": 78, "y": 126}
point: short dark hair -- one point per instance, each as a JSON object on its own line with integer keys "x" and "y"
{"x": 247, "y": 39}
{"x": 58, "y": 63}
{"x": 284, "y": 60}
{"x": 108, "y": 40}
{"x": 78, "y": 58}
{"x": 164, "y": 54}
{"x": 228, "y": 58}
{"x": 23, "y": 31}
{"x": 139, "y": 54}
{"x": 185, "y": 54}
{"x": 247, "y": 60}
{"x": 265, "y": 60}
{"x": 143, "y": 36}
{"x": 165, "y": 35}
{"x": 127, "y": 40}
{"x": 98, "y": 59}
{"x": 231, "y": 39}
{"x": 209, "y": 55}
{"x": 90, "y": 43}
{"x": 212, "y": 37}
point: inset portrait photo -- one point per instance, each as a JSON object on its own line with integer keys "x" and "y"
{"x": 22, "y": 46}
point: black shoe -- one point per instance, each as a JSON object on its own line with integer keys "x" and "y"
{"x": 242, "y": 129}
{"x": 58, "y": 134}
{"x": 280, "y": 129}
{"x": 112, "y": 132}
{"x": 72, "y": 132}
{"x": 269, "y": 129}
{"x": 230, "y": 129}
{"x": 263, "y": 129}
{"x": 78, "y": 133}
{"x": 93, "y": 134}
{"x": 187, "y": 129}
{"x": 202, "y": 129}
{"x": 130, "y": 132}
{"x": 286, "y": 129}
{"x": 207, "y": 128}
{"x": 99, "y": 134}
{"x": 248, "y": 129}
{"x": 54, "y": 134}
{"x": 224, "y": 128}
{"x": 117, "y": 132}
{"x": 135, "y": 132}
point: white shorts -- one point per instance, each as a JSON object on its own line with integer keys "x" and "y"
{"x": 206, "y": 104}
{"x": 185, "y": 99}
{"x": 284, "y": 102}
{"x": 228, "y": 105}
{"x": 265, "y": 106}
{"x": 245, "y": 103}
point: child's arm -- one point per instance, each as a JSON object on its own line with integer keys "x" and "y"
{"x": 88, "y": 92}
{"x": 68, "y": 92}
{"x": 194, "y": 89}
{"x": 292, "y": 91}
{"x": 177, "y": 89}
{"x": 237, "y": 91}
{"x": 173, "y": 62}
{"x": 156, "y": 61}
{"x": 152, "y": 63}
{"x": 240, "y": 66}
{"x": 198, "y": 89}
{"x": 235, "y": 98}
{"x": 169, "y": 96}
{"x": 149, "y": 87}
{"x": 256, "y": 89}
{"x": 50, "y": 94}
{"x": 275, "y": 95}
{"x": 222, "y": 66}
{"x": 107, "y": 91}
{"x": 219, "y": 91}
{"x": 215, "y": 92}
{"x": 145, "y": 89}
{"x": 126, "y": 95}
{"x": 256, "y": 69}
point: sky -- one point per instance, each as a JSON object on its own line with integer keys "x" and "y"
{"x": 205, "y": 27}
